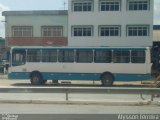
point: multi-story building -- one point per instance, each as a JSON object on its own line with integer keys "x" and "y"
{"x": 110, "y": 22}
{"x": 86, "y": 23}
{"x": 29, "y": 28}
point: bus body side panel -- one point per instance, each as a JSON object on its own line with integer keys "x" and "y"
{"x": 80, "y": 76}
{"x": 18, "y": 75}
{"x": 81, "y": 71}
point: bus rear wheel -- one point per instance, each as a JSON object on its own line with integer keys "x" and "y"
{"x": 107, "y": 79}
{"x": 36, "y": 79}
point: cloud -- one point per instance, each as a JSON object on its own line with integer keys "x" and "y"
{"x": 2, "y": 8}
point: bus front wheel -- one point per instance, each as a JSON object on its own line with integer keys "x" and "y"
{"x": 36, "y": 79}
{"x": 107, "y": 79}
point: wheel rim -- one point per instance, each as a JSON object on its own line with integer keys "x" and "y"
{"x": 35, "y": 79}
{"x": 107, "y": 80}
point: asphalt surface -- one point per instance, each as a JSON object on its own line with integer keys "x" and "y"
{"x": 75, "y": 109}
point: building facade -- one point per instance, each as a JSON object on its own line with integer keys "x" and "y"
{"x": 110, "y": 22}
{"x": 86, "y": 23}
{"x": 36, "y": 28}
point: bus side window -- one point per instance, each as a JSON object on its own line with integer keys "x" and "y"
{"x": 33, "y": 56}
{"x": 66, "y": 56}
{"x": 138, "y": 56}
{"x": 103, "y": 56}
{"x": 18, "y": 57}
{"x": 84, "y": 56}
{"x": 121, "y": 56}
{"x": 49, "y": 56}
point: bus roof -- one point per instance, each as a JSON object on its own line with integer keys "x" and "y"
{"x": 75, "y": 47}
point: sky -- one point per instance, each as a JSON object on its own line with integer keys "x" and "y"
{"x": 13, "y": 5}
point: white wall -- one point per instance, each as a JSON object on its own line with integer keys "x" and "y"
{"x": 37, "y": 21}
{"x": 122, "y": 18}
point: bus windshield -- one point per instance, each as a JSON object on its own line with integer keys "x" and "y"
{"x": 18, "y": 57}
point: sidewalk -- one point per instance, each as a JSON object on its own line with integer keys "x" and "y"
{"x": 113, "y": 100}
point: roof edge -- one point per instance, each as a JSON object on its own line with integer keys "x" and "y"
{"x": 35, "y": 12}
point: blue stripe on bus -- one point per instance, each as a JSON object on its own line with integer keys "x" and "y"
{"x": 81, "y": 76}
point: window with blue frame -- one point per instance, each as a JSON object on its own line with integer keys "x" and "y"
{"x": 138, "y": 5}
{"x": 82, "y": 6}
{"x": 82, "y": 31}
{"x": 138, "y": 30}
{"x": 110, "y": 5}
{"x": 109, "y": 30}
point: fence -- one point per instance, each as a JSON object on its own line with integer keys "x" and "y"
{"x": 83, "y": 90}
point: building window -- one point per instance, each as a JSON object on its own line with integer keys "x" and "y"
{"x": 82, "y": 31}
{"x": 138, "y": 30}
{"x": 84, "y": 5}
{"x": 52, "y": 31}
{"x": 109, "y": 30}
{"x": 138, "y": 5}
{"x": 22, "y": 31}
{"x": 110, "y": 5}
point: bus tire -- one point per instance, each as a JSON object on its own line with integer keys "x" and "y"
{"x": 107, "y": 79}
{"x": 36, "y": 79}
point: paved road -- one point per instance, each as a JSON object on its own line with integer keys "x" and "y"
{"x": 73, "y": 112}
{"x": 76, "y": 109}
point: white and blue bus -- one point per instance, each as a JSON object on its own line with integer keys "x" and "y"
{"x": 106, "y": 64}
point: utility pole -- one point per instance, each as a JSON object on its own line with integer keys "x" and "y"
{"x": 64, "y": 3}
